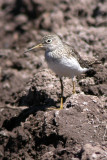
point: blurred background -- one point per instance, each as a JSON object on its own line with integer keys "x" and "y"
{"x": 25, "y": 21}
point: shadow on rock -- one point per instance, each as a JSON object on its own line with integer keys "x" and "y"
{"x": 36, "y": 101}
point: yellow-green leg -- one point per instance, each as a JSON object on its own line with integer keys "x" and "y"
{"x": 61, "y": 101}
{"x": 61, "y": 104}
{"x": 73, "y": 82}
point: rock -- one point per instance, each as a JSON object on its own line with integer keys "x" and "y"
{"x": 94, "y": 152}
{"x": 27, "y": 129}
{"x": 44, "y": 89}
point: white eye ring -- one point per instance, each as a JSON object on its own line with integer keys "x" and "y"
{"x": 48, "y": 40}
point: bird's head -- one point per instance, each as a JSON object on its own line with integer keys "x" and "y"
{"x": 49, "y": 42}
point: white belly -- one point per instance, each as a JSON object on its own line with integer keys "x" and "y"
{"x": 65, "y": 67}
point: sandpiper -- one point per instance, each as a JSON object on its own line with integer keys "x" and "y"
{"x": 62, "y": 59}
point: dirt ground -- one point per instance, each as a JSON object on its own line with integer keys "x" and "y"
{"x": 28, "y": 130}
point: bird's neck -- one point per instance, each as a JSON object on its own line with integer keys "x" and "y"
{"x": 54, "y": 47}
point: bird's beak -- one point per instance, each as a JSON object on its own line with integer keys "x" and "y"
{"x": 37, "y": 46}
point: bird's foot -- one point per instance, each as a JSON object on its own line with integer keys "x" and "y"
{"x": 50, "y": 109}
{"x": 73, "y": 91}
{"x": 61, "y": 106}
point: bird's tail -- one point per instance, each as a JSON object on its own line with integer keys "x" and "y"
{"x": 90, "y": 72}
{"x": 94, "y": 62}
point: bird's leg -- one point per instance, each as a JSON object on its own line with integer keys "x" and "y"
{"x": 73, "y": 82}
{"x": 61, "y": 104}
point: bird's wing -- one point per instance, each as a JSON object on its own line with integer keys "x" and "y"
{"x": 73, "y": 53}
{"x": 83, "y": 63}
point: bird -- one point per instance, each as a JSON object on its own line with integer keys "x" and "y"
{"x": 62, "y": 59}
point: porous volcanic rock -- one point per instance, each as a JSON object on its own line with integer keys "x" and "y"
{"x": 53, "y": 133}
{"x": 28, "y": 129}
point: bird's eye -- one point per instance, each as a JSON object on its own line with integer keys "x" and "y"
{"x": 48, "y": 40}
